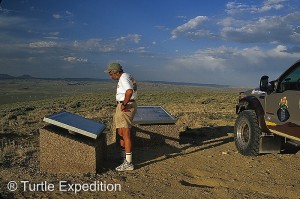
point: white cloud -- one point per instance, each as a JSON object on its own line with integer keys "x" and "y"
{"x": 235, "y": 7}
{"x": 231, "y": 22}
{"x": 233, "y": 66}
{"x": 271, "y": 4}
{"x": 57, "y": 16}
{"x": 117, "y": 45}
{"x": 68, "y": 13}
{"x": 137, "y": 50}
{"x": 295, "y": 37}
{"x": 260, "y": 28}
{"x": 65, "y": 16}
{"x": 265, "y": 30}
{"x": 6, "y": 21}
{"x": 181, "y": 17}
{"x": 267, "y": 5}
{"x": 53, "y": 33}
{"x": 135, "y": 38}
{"x": 43, "y": 44}
{"x": 75, "y": 59}
{"x": 163, "y": 28}
{"x": 95, "y": 45}
{"x": 190, "y": 25}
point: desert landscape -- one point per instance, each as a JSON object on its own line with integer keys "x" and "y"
{"x": 200, "y": 161}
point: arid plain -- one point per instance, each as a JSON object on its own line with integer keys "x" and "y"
{"x": 200, "y": 161}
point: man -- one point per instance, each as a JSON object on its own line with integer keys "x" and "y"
{"x": 126, "y": 108}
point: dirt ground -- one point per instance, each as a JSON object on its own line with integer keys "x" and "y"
{"x": 201, "y": 163}
{"x": 198, "y": 160}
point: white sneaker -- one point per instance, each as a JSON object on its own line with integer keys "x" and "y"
{"x": 125, "y": 166}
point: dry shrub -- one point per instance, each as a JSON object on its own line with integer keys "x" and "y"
{"x": 7, "y": 154}
{"x": 13, "y": 153}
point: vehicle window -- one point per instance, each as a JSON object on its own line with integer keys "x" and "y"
{"x": 291, "y": 81}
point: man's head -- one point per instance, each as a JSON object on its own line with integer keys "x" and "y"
{"x": 114, "y": 70}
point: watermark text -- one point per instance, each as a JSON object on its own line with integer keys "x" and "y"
{"x": 63, "y": 186}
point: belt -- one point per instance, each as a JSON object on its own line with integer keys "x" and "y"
{"x": 120, "y": 102}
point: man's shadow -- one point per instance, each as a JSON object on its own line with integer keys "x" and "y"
{"x": 150, "y": 147}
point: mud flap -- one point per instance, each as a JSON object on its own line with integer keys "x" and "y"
{"x": 269, "y": 144}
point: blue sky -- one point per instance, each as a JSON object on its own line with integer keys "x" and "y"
{"x": 214, "y": 42}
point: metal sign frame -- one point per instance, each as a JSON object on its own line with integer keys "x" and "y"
{"x": 76, "y": 123}
{"x": 158, "y": 115}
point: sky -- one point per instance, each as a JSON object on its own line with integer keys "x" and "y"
{"x": 197, "y": 41}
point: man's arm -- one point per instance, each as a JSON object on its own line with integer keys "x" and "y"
{"x": 128, "y": 95}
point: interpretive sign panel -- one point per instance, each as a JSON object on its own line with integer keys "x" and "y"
{"x": 153, "y": 115}
{"x": 76, "y": 123}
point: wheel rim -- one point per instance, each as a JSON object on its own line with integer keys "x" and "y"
{"x": 243, "y": 133}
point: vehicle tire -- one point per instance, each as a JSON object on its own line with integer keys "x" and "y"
{"x": 247, "y": 133}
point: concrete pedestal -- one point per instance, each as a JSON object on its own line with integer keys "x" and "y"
{"x": 62, "y": 152}
{"x": 150, "y": 135}
{"x": 156, "y": 134}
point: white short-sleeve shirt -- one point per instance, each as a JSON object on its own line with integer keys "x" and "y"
{"x": 126, "y": 82}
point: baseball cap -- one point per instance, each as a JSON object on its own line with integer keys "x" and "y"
{"x": 113, "y": 67}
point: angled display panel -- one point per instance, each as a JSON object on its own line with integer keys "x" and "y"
{"x": 76, "y": 123}
{"x": 153, "y": 115}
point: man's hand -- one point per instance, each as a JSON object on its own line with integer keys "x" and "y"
{"x": 124, "y": 109}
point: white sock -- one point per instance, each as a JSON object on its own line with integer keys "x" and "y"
{"x": 129, "y": 157}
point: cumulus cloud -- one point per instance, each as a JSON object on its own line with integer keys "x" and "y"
{"x": 235, "y": 7}
{"x": 231, "y": 66}
{"x": 265, "y": 29}
{"x": 271, "y": 4}
{"x": 208, "y": 59}
{"x": 190, "y": 25}
{"x": 221, "y": 58}
{"x": 260, "y": 28}
{"x": 267, "y": 5}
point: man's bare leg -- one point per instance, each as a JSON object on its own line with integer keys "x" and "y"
{"x": 126, "y": 142}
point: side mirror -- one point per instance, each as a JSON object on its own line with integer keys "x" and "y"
{"x": 264, "y": 83}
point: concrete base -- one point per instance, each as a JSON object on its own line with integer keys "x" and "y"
{"x": 151, "y": 135}
{"x": 62, "y": 152}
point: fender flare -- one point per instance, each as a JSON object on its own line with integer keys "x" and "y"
{"x": 252, "y": 103}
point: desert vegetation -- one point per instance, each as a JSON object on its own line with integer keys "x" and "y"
{"x": 202, "y": 162}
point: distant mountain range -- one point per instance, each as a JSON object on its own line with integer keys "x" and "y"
{"x": 7, "y": 77}
{"x": 189, "y": 84}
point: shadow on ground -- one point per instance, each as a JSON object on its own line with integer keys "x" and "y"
{"x": 151, "y": 147}
{"x": 288, "y": 148}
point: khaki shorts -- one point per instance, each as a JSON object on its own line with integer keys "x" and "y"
{"x": 124, "y": 119}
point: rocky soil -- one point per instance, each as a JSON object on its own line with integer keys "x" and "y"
{"x": 197, "y": 161}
